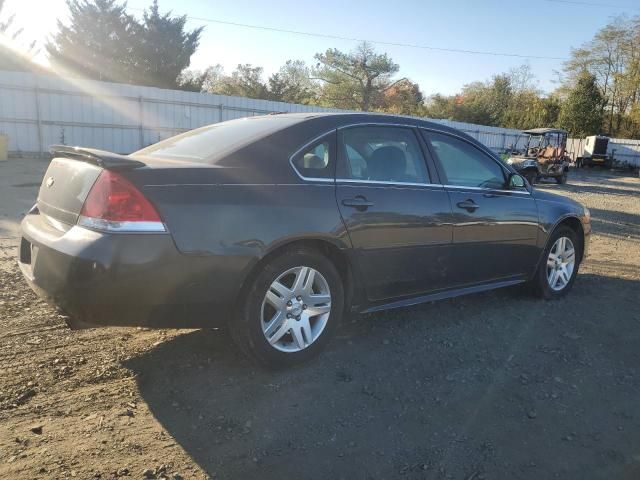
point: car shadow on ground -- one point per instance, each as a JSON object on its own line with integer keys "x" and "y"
{"x": 496, "y": 384}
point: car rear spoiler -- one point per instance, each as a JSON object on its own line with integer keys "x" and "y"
{"x": 101, "y": 158}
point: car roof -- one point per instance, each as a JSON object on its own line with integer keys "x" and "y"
{"x": 341, "y": 119}
{"x": 542, "y": 131}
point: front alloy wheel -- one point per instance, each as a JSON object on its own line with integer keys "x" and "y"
{"x": 560, "y": 263}
{"x": 295, "y": 309}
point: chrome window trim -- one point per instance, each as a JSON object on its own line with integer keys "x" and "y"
{"x": 383, "y": 182}
{"x": 488, "y": 190}
{"x": 301, "y": 149}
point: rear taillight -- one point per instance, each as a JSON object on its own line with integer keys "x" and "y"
{"x": 114, "y": 204}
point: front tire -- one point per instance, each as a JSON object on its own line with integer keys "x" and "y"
{"x": 532, "y": 178}
{"x": 562, "y": 179}
{"x": 291, "y": 310}
{"x": 559, "y": 265}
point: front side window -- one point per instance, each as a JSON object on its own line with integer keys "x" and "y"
{"x": 315, "y": 161}
{"x": 465, "y": 165}
{"x": 381, "y": 154}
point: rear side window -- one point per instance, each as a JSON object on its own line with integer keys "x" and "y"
{"x": 381, "y": 154}
{"x": 465, "y": 165}
{"x": 316, "y": 160}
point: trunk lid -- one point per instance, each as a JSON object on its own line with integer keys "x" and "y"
{"x": 65, "y": 187}
{"x": 70, "y": 176}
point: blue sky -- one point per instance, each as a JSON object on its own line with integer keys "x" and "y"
{"x": 488, "y": 25}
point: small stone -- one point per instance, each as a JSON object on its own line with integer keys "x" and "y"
{"x": 148, "y": 473}
{"x": 37, "y": 429}
{"x": 532, "y": 414}
{"x": 385, "y": 341}
{"x": 122, "y": 472}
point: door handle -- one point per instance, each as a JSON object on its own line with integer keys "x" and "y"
{"x": 359, "y": 202}
{"x": 468, "y": 205}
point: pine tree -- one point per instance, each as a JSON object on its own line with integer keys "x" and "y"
{"x": 97, "y": 43}
{"x": 581, "y": 113}
{"x": 163, "y": 48}
{"x": 103, "y": 42}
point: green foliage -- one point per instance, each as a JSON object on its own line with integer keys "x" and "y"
{"x": 244, "y": 81}
{"x": 97, "y": 43}
{"x": 103, "y": 42}
{"x": 613, "y": 58}
{"x": 163, "y": 48}
{"x": 292, "y": 83}
{"x": 509, "y": 100}
{"x": 581, "y": 113}
{"x": 356, "y": 79}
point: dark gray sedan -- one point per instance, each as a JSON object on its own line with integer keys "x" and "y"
{"x": 278, "y": 225}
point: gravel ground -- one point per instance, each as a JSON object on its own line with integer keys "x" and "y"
{"x": 490, "y": 386}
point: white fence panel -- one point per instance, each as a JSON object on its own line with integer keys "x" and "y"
{"x": 40, "y": 110}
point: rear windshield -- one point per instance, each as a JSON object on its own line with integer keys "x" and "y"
{"x": 211, "y": 143}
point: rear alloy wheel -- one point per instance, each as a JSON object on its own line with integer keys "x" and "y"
{"x": 292, "y": 309}
{"x": 295, "y": 309}
{"x": 559, "y": 266}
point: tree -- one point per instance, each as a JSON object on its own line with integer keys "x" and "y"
{"x": 20, "y": 57}
{"x": 354, "y": 80}
{"x": 103, "y": 42}
{"x": 612, "y": 56}
{"x": 163, "y": 48}
{"x": 244, "y": 81}
{"x": 484, "y": 103}
{"x": 581, "y": 114}
{"x": 292, "y": 83}
{"x": 403, "y": 97}
{"x": 97, "y": 43}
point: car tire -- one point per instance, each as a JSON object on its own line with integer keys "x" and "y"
{"x": 308, "y": 334}
{"x": 562, "y": 179}
{"x": 541, "y": 282}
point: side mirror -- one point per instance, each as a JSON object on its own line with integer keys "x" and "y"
{"x": 515, "y": 181}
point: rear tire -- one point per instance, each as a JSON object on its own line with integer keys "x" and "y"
{"x": 541, "y": 282}
{"x": 273, "y": 297}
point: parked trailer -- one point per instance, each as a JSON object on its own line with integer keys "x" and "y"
{"x": 594, "y": 152}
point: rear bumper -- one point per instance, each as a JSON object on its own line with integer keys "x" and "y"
{"x": 101, "y": 279}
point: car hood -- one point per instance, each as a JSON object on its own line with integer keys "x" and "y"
{"x": 552, "y": 197}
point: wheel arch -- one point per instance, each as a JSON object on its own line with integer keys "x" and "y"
{"x": 571, "y": 221}
{"x": 574, "y": 223}
{"x": 329, "y": 249}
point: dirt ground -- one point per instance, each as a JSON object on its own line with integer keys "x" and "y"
{"x": 490, "y": 386}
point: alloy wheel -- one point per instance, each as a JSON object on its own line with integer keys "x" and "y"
{"x": 295, "y": 309}
{"x": 561, "y": 263}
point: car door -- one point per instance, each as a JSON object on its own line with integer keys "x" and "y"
{"x": 494, "y": 228}
{"x": 396, "y": 214}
